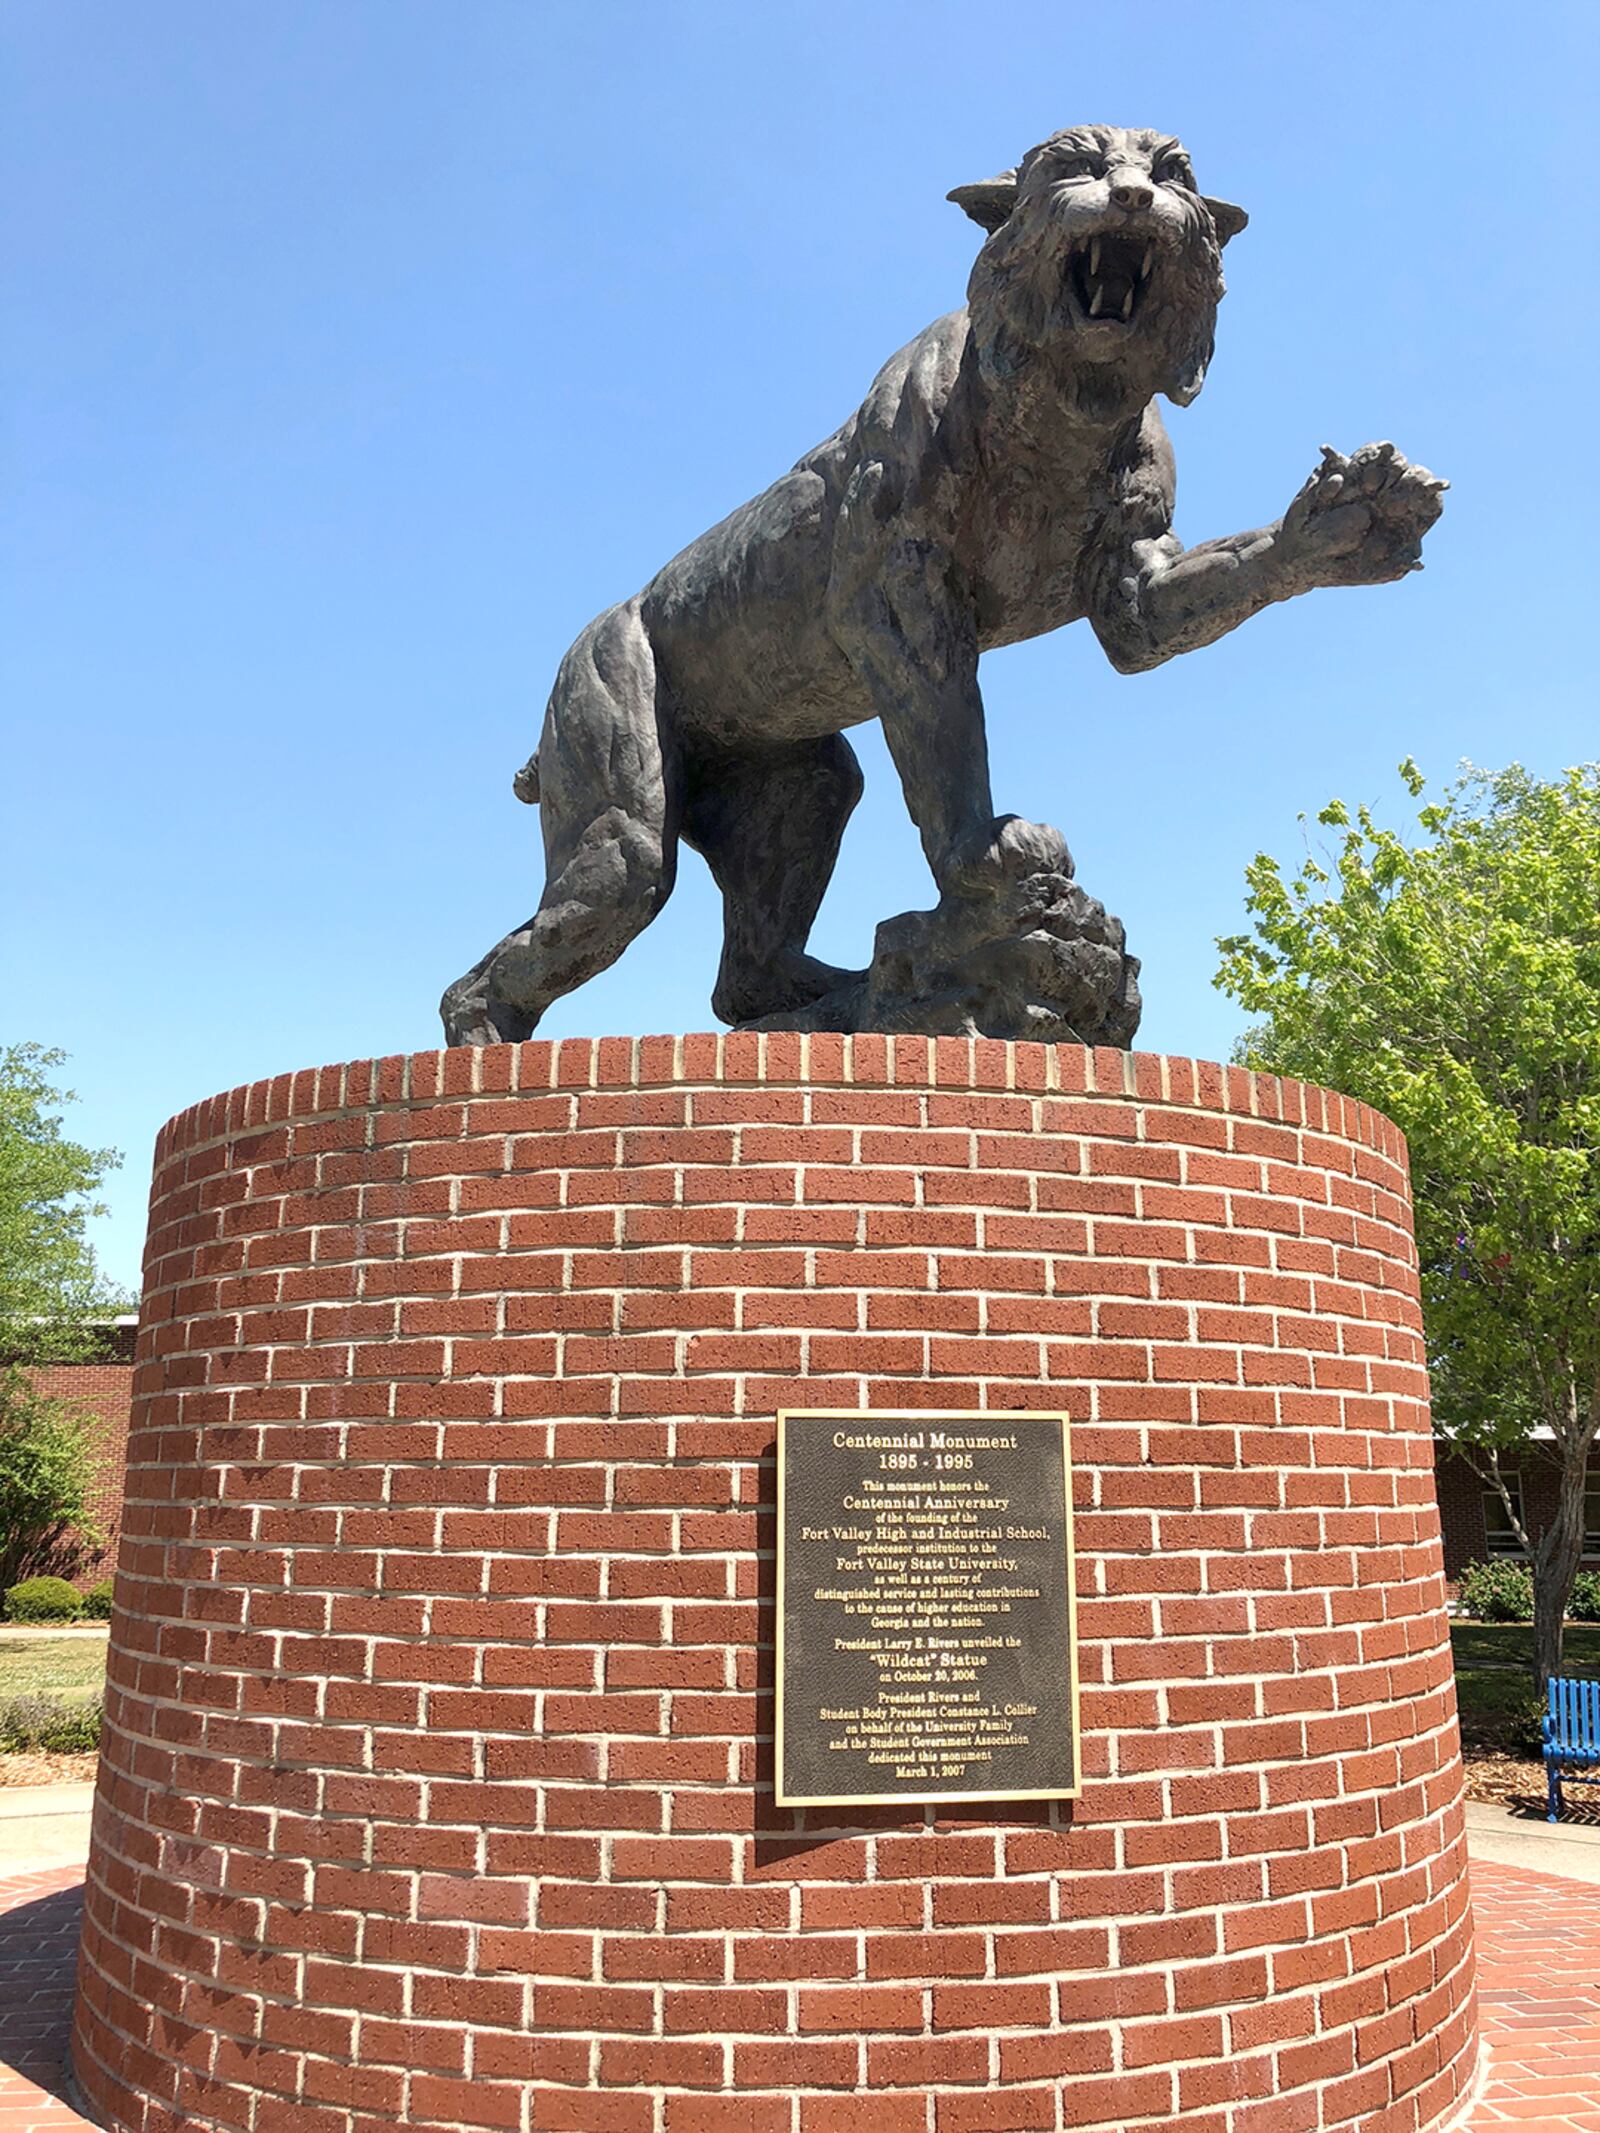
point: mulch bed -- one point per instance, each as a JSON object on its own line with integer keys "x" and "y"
{"x": 31, "y": 1767}
{"x": 1494, "y": 1775}
{"x": 1518, "y": 1782}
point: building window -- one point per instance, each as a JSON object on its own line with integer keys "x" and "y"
{"x": 1501, "y": 1536}
{"x": 1498, "y": 1529}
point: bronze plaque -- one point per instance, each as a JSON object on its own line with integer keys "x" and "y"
{"x": 927, "y": 1644}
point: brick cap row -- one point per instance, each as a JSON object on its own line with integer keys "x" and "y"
{"x": 780, "y": 1059}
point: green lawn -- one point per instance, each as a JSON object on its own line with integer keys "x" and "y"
{"x": 1494, "y": 1672}
{"x": 73, "y": 1668}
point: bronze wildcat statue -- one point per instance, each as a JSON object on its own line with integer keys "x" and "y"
{"x": 1007, "y": 473}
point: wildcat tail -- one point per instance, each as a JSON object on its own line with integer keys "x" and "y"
{"x": 526, "y": 782}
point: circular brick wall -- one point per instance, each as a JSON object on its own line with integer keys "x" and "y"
{"x": 436, "y": 1788}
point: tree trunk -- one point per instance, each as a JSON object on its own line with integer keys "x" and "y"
{"x": 1556, "y": 1562}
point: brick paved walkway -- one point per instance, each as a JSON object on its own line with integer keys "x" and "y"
{"x": 1539, "y": 1991}
{"x": 39, "y": 1915}
{"x": 1538, "y": 1981}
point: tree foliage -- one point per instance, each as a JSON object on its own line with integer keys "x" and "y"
{"x": 51, "y": 1290}
{"x": 52, "y": 1295}
{"x": 1454, "y": 982}
{"x": 47, "y": 1470}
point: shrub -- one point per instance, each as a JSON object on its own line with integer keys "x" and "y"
{"x": 1584, "y": 1605}
{"x": 46, "y": 1723}
{"x": 1497, "y": 1592}
{"x": 97, "y": 1600}
{"x": 43, "y": 1600}
{"x": 1525, "y": 1729}
{"x": 47, "y": 1467}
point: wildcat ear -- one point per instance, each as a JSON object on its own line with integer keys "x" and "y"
{"x": 990, "y": 202}
{"x": 1229, "y": 220}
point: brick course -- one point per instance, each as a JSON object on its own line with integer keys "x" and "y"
{"x": 437, "y": 1777}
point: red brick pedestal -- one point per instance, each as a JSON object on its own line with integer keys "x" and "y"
{"x": 437, "y": 1785}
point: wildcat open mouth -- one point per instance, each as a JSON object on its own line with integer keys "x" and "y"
{"x": 1108, "y": 276}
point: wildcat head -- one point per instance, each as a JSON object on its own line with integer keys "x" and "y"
{"x": 1103, "y": 267}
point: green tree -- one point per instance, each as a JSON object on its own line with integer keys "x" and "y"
{"x": 52, "y": 1296}
{"x": 47, "y": 1468}
{"x": 51, "y": 1289}
{"x": 1454, "y": 983}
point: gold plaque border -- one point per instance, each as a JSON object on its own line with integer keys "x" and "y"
{"x": 916, "y": 1415}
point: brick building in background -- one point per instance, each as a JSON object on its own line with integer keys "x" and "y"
{"x": 1476, "y": 1528}
{"x": 105, "y": 1388}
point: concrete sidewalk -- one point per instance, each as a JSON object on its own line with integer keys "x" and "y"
{"x": 44, "y": 1826}
{"x": 42, "y": 1632}
{"x": 1501, "y": 1836}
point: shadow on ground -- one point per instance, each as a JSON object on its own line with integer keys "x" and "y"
{"x": 38, "y": 1958}
{"x": 1576, "y": 1811}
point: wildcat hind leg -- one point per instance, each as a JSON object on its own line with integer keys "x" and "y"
{"x": 607, "y": 791}
{"x": 769, "y": 826}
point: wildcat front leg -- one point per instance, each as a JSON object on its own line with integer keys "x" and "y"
{"x": 914, "y": 648}
{"x": 1356, "y": 521}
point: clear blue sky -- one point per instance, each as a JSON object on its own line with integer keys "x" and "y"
{"x": 358, "y": 351}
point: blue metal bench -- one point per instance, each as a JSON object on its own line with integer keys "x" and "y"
{"x": 1571, "y": 1738}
